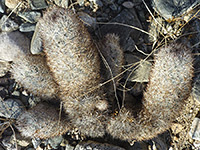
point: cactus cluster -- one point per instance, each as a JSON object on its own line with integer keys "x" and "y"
{"x": 71, "y": 72}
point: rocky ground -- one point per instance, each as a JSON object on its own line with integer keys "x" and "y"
{"x": 142, "y": 27}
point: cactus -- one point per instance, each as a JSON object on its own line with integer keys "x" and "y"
{"x": 29, "y": 70}
{"x": 113, "y": 54}
{"x": 72, "y": 60}
{"x": 33, "y": 74}
{"x": 166, "y": 93}
{"x": 42, "y": 121}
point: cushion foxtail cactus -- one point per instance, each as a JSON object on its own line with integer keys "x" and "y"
{"x": 72, "y": 67}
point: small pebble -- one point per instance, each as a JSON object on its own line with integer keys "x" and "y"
{"x": 38, "y": 4}
{"x": 107, "y": 10}
{"x": 87, "y": 19}
{"x": 114, "y": 7}
{"x": 107, "y": 2}
{"x": 27, "y": 27}
{"x": 4, "y": 81}
{"x": 80, "y": 2}
{"x": 55, "y": 141}
{"x": 196, "y": 145}
{"x": 11, "y": 108}
{"x": 30, "y": 16}
{"x": 141, "y": 73}
{"x": 128, "y": 4}
{"x": 195, "y": 129}
{"x": 12, "y": 3}
{"x": 2, "y": 6}
{"x": 196, "y": 88}
{"x": 69, "y": 147}
{"x": 36, "y": 142}
{"x": 12, "y": 86}
{"x": 172, "y": 9}
{"x": 97, "y": 2}
{"x": 7, "y": 25}
{"x": 16, "y": 93}
{"x": 120, "y": 1}
{"x": 130, "y": 45}
{"x": 131, "y": 58}
{"x": 3, "y": 92}
{"x": 90, "y": 145}
{"x": 62, "y": 3}
{"x": 30, "y": 149}
{"x": 36, "y": 42}
{"x": 9, "y": 144}
{"x": 32, "y": 101}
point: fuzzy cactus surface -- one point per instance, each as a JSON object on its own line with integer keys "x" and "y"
{"x": 71, "y": 70}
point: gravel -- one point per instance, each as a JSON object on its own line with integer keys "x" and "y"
{"x": 11, "y": 108}
{"x": 7, "y": 25}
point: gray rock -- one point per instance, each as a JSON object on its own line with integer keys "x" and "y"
{"x": 196, "y": 88}
{"x": 38, "y": 4}
{"x": 4, "y": 81}
{"x": 138, "y": 88}
{"x": 196, "y": 39}
{"x": 3, "y": 92}
{"x": 128, "y": 4}
{"x": 87, "y": 19}
{"x": 36, "y": 42}
{"x": 2, "y": 6}
{"x": 30, "y": 16}
{"x": 114, "y": 7}
{"x": 62, "y": 3}
{"x": 124, "y": 31}
{"x": 27, "y": 27}
{"x": 90, "y": 145}
{"x": 120, "y": 1}
{"x": 130, "y": 45}
{"x": 138, "y": 146}
{"x": 17, "y": 139}
{"x": 55, "y": 141}
{"x": 32, "y": 101}
{"x": 196, "y": 145}
{"x": 11, "y": 108}
{"x": 195, "y": 129}
{"x": 13, "y": 44}
{"x": 160, "y": 144}
{"x": 16, "y": 93}
{"x": 10, "y": 144}
{"x": 11, "y": 4}
{"x": 7, "y": 25}
{"x": 173, "y": 8}
{"x": 141, "y": 73}
{"x": 107, "y": 2}
{"x": 80, "y": 2}
{"x": 36, "y": 142}
{"x": 97, "y": 2}
{"x": 69, "y": 147}
{"x": 132, "y": 58}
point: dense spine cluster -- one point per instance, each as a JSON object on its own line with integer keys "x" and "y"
{"x": 166, "y": 93}
{"x": 33, "y": 74}
{"x": 42, "y": 121}
{"x": 71, "y": 71}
